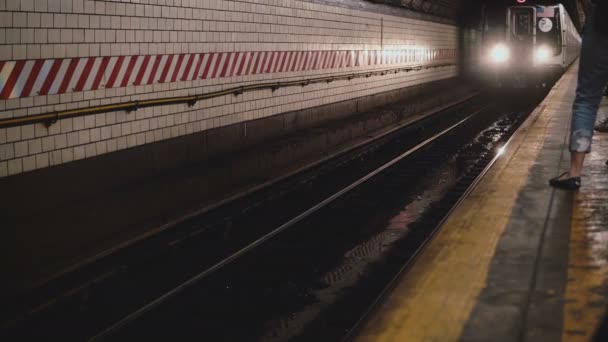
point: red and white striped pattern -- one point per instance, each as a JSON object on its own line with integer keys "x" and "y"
{"x": 57, "y": 76}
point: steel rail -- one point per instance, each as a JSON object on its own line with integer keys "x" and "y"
{"x": 197, "y": 278}
{"x": 410, "y": 262}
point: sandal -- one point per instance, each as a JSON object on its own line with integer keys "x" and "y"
{"x": 572, "y": 183}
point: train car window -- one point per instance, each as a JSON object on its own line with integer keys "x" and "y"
{"x": 523, "y": 25}
{"x": 522, "y": 20}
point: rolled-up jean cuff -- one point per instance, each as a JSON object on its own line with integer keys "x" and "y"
{"x": 580, "y": 141}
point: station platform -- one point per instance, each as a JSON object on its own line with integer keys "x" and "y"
{"x": 517, "y": 260}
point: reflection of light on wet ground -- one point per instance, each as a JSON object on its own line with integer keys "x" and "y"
{"x": 500, "y": 151}
{"x": 593, "y": 206}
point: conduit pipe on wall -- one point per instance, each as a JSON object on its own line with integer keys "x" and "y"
{"x": 50, "y": 118}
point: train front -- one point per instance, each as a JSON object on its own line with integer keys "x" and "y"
{"x": 528, "y": 50}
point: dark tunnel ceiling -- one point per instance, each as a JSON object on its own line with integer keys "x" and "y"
{"x": 459, "y": 8}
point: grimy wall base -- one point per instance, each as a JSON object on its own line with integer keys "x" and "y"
{"x": 63, "y": 183}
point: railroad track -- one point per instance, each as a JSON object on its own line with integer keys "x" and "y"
{"x": 204, "y": 251}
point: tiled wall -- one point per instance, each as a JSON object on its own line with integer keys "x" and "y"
{"x": 64, "y": 54}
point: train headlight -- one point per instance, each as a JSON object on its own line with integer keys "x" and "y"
{"x": 500, "y": 53}
{"x": 542, "y": 54}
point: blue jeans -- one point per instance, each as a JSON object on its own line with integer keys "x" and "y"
{"x": 592, "y": 78}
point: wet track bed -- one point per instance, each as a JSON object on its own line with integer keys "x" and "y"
{"x": 313, "y": 280}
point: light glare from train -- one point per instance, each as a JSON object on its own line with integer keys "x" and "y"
{"x": 500, "y": 53}
{"x": 542, "y": 54}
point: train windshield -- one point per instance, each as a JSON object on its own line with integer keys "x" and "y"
{"x": 522, "y": 21}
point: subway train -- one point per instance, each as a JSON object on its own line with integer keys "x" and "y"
{"x": 527, "y": 45}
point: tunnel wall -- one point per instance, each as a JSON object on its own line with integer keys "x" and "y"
{"x": 58, "y": 55}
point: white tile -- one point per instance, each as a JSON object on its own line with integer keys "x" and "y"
{"x": 89, "y": 121}
{"x": 112, "y": 145}
{"x": 48, "y": 144}
{"x": 13, "y": 134}
{"x": 84, "y": 136}
{"x": 61, "y": 141}
{"x": 7, "y": 152}
{"x": 78, "y": 123}
{"x": 102, "y": 147}
{"x": 29, "y": 163}
{"x": 15, "y": 166}
{"x": 90, "y": 150}
{"x": 72, "y": 139}
{"x": 35, "y": 146}
{"x": 3, "y": 169}
{"x": 21, "y": 149}
{"x": 55, "y": 158}
{"x": 42, "y": 160}
{"x": 79, "y": 152}
{"x": 67, "y": 155}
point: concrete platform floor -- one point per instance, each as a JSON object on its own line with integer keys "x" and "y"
{"x": 518, "y": 260}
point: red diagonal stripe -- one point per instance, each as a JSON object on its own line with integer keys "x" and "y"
{"x": 330, "y": 59}
{"x": 304, "y": 65}
{"x": 243, "y": 60}
{"x": 198, "y": 66}
{"x": 154, "y": 69}
{"x": 313, "y": 65}
{"x": 142, "y": 70}
{"x": 125, "y": 79}
{"x": 50, "y": 78}
{"x": 272, "y": 55}
{"x": 294, "y": 64}
{"x": 188, "y": 67}
{"x": 287, "y": 56}
{"x": 163, "y": 75}
{"x": 180, "y": 60}
{"x": 264, "y": 62}
{"x": 208, "y": 66}
{"x": 236, "y": 59}
{"x": 68, "y": 76}
{"x": 115, "y": 72}
{"x": 249, "y": 65}
{"x": 218, "y": 63}
{"x": 85, "y": 74}
{"x": 100, "y": 72}
{"x": 276, "y": 65}
{"x": 323, "y": 59}
{"x": 27, "y": 88}
{"x": 226, "y": 64}
{"x": 255, "y": 66}
{"x": 12, "y": 79}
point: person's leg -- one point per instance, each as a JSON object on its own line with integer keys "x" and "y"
{"x": 602, "y": 126}
{"x": 592, "y": 78}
